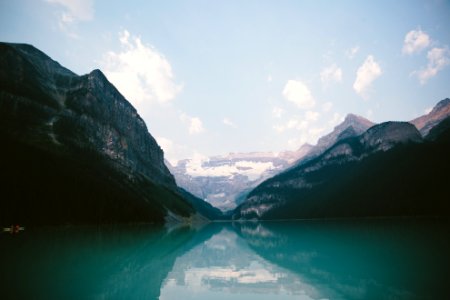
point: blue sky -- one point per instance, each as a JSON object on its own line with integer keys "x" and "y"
{"x": 211, "y": 77}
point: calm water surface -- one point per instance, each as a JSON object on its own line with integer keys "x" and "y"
{"x": 379, "y": 259}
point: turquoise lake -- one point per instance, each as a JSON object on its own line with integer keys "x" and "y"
{"x": 370, "y": 259}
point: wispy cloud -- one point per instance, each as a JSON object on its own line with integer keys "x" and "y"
{"x": 331, "y": 74}
{"x": 293, "y": 123}
{"x": 229, "y": 123}
{"x": 140, "y": 72}
{"x": 297, "y": 122}
{"x": 195, "y": 125}
{"x": 311, "y": 115}
{"x": 73, "y": 11}
{"x": 438, "y": 59}
{"x": 277, "y": 112}
{"x": 298, "y": 93}
{"x": 309, "y": 136}
{"x": 415, "y": 41}
{"x": 366, "y": 74}
{"x": 352, "y": 52}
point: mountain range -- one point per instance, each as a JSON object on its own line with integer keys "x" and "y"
{"x": 391, "y": 169}
{"x": 76, "y": 151}
{"x": 225, "y": 180}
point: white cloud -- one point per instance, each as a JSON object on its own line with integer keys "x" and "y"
{"x": 195, "y": 125}
{"x": 229, "y": 123}
{"x": 327, "y": 106}
{"x": 269, "y": 78}
{"x": 415, "y": 41}
{"x": 306, "y": 136}
{"x": 301, "y": 126}
{"x": 366, "y": 74}
{"x": 72, "y": 12}
{"x": 298, "y": 93}
{"x": 438, "y": 59}
{"x": 352, "y": 52}
{"x": 311, "y": 134}
{"x": 75, "y": 10}
{"x": 279, "y": 128}
{"x": 296, "y": 123}
{"x": 168, "y": 147}
{"x": 331, "y": 74}
{"x": 165, "y": 144}
{"x": 311, "y": 115}
{"x": 428, "y": 110}
{"x": 277, "y": 112}
{"x": 141, "y": 73}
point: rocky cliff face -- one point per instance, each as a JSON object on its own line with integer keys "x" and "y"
{"x": 389, "y": 134}
{"x": 76, "y": 111}
{"x": 353, "y": 125}
{"x": 439, "y": 112}
{"x": 83, "y": 127}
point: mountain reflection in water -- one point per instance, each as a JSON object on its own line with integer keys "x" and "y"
{"x": 379, "y": 259}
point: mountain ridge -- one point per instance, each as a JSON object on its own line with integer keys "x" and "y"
{"x": 77, "y": 151}
{"x": 307, "y": 190}
{"x": 439, "y": 112}
{"x": 352, "y": 125}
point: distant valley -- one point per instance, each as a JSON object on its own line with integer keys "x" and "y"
{"x": 224, "y": 181}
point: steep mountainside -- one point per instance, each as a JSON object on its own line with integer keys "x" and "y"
{"x": 386, "y": 171}
{"x": 75, "y": 149}
{"x": 353, "y": 125}
{"x": 224, "y": 181}
{"x": 435, "y": 116}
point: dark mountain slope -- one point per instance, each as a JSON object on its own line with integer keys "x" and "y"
{"x": 384, "y": 172}
{"x": 75, "y": 150}
{"x": 440, "y": 132}
{"x": 201, "y": 206}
